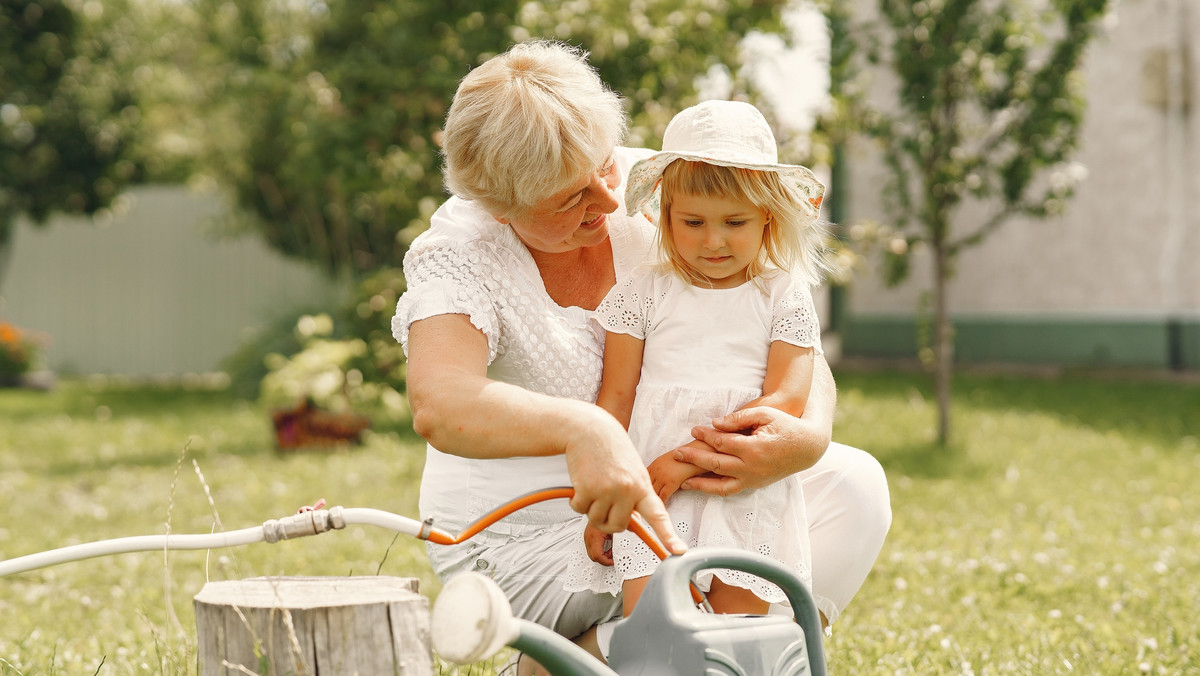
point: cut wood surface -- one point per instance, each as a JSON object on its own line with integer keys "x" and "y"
{"x": 275, "y": 626}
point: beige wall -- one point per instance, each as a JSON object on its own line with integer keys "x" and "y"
{"x": 1129, "y": 242}
{"x": 151, "y": 292}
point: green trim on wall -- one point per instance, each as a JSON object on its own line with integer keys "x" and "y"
{"x": 1188, "y": 345}
{"x": 1153, "y": 343}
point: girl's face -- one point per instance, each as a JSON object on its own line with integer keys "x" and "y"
{"x": 717, "y": 237}
{"x": 574, "y": 218}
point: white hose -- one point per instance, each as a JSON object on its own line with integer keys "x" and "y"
{"x": 139, "y": 543}
{"x": 310, "y": 522}
{"x": 376, "y": 517}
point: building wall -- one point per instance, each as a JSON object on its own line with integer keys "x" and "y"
{"x": 152, "y": 292}
{"x": 1114, "y": 280}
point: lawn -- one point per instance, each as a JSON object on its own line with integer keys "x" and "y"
{"x": 1059, "y": 535}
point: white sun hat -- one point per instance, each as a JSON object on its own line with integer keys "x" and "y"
{"x": 725, "y": 133}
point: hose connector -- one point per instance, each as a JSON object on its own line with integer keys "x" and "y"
{"x": 303, "y": 524}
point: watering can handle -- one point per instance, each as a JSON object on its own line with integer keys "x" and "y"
{"x": 676, "y": 574}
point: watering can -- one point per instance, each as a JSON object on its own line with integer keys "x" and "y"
{"x": 666, "y": 635}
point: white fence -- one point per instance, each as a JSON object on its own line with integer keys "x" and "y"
{"x": 151, "y": 292}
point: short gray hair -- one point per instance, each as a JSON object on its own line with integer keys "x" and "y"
{"x": 528, "y": 124}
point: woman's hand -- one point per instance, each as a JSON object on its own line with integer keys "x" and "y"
{"x": 611, "y": 482}
{"x": 751, "y": 448}
{"x": 759, "y": 445}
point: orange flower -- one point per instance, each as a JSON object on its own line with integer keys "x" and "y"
{"x": 18, "y": 350}
{"x": 9, "y": 334}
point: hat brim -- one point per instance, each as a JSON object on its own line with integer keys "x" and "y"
{"x": 644, "y": 177}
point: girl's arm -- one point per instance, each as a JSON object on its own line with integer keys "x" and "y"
{"x": 459, "y": 410}
{"x": 789, "y": 378}
{"x": 622, "y": 371}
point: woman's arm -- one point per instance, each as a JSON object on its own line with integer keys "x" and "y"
{"x": 459, "y": 410}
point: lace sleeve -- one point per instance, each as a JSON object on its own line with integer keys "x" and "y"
{"x": 626, "y": 308}
{"x": 446, "y": 277}
{"x": 795, "y": 318}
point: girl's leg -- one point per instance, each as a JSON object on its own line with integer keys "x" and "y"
{"x": 631, "y": 591}
{"x": 724, "y": 598}
{"x": 727, "y": 599}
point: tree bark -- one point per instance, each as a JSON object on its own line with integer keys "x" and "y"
{"x": 317, "y": 626}
{"x": 943, "y": 339}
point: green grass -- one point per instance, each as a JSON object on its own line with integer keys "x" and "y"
{"x": 1059, "y": 535}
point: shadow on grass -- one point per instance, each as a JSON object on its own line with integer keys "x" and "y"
{"x": 1160, "y": 412}
{"x": 927, "y": 460}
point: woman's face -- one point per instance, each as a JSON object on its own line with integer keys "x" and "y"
{"x": 574, "y": 218}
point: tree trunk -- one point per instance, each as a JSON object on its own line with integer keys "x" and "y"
{"x": 6, "y": 247}
{"x": 943, "y": 340}
{"x": 315, "y": 626}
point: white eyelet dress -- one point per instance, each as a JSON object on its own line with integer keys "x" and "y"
{"x": 705, "y": 355}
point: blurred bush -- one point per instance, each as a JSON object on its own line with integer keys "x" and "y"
{"x": 347, "y": 360}
{"x": 20, "y": 352}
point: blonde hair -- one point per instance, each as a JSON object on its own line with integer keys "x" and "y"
{"x": 528, "y": 124}
{"x": 793, "y": 239}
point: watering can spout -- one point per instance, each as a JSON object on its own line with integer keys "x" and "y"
{"x": 472, "y": 620}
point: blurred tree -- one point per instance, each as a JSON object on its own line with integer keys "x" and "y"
{"x": 989, "y": 99}
{"x": 66, "y": 123}
{"x": 335, "y": 108}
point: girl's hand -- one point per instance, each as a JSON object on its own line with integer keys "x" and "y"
{"x": 599, "y": 545}
{"x": 667, "y": 473}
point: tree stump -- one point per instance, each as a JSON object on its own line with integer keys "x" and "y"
{"x": 277, "y": 626}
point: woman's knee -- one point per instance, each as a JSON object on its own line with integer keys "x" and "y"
{"x": 848, "y": 485}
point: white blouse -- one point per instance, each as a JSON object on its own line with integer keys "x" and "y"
{"x": 471, "y": 264}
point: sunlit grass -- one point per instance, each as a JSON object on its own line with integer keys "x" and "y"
{"x": 81, "y": 464}
{"x": 1059, "y": 535}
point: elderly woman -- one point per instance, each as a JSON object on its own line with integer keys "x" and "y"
{"x": 504, "y": 360}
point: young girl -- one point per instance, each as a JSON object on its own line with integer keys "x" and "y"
{"x": 725, "y": 322}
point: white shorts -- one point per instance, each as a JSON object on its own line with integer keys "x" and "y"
{"x": 530, "y": 570}
{"x": 849, "y": 514}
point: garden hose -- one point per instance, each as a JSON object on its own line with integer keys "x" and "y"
{"x": 308, "y": 521}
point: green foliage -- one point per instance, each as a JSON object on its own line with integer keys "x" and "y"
{"x": 989, "y": 103}
{"x": 20, "y": 352}
{"x": 247, "y": 365}
{"x": 66, "y": 123}
{"x": 346, "y": 361}
{"x": 329, "y": 114}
